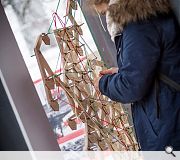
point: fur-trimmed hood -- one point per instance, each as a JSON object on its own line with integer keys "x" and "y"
{"x": 122, "y": 12}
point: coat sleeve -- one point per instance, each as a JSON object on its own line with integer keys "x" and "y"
{"x": 141, "y": 52}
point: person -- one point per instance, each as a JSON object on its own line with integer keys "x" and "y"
{"x": 147, "y": 37}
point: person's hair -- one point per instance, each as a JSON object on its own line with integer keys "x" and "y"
{"x": 98, "y": 2}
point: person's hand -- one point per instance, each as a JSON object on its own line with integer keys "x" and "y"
{"x": 109, "y": 71}
{"x": 96, "y": 83}
{"x": 101, "y": 73}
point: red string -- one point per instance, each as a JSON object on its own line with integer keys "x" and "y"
{"x": 54, "y": 19}
{"x": 61, "y": 22}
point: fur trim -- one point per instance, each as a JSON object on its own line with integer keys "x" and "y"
{"x": 113, "y": 27}
{"x": 123, "y": 12}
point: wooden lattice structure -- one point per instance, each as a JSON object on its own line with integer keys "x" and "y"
{"x": 107, "y": 126}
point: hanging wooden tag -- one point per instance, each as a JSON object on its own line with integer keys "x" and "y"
{"x": 83, "y": 118}
{"x": 71, "y": 75}
{"x": 50, "y": 83}
{"x": 79, "y": 50}
{"x": 78, "y": 29}
{"x": 73, "y": 4}
{"x": 75, "y": 58}
{"x": 92, "y": 138}
{"x": 82, "y": 90}
{"x": 114, "y": 146}
{"x": 55, "y": 106}
{"x": 69, "y": 58}
{"x": 102, "y": 145}
{"x": 96, "y": 105}
{"x": 46, "y": 39}
{"x": 87, "y": 79}
{"x": 71, "y": 45}
{"x": 65, "y": 34}
{"x": 77, "y": 67}
{"x": 78, "y": 110}
{"x": 72, "y": 124}
{"x": 90, "y": 111}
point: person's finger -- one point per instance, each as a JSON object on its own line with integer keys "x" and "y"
{"x": 100, "y": 75}
{"x": 108, "y": 71}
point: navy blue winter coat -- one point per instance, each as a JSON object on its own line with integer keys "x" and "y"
{"x": 145, "y": 49}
